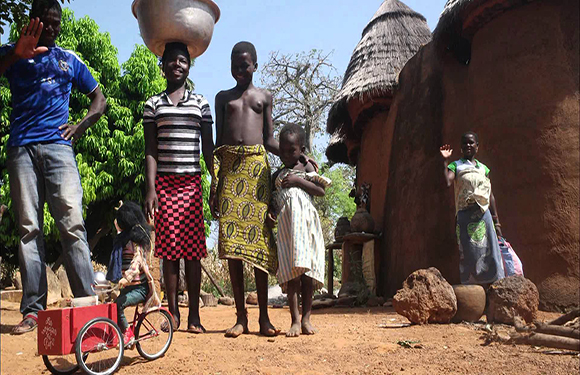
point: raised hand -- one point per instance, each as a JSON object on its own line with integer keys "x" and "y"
{"x": 26, "y": 45}
{"x": 446, "y": 151}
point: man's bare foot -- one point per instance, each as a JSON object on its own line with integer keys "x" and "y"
{"x": 195, "y": 328}
{"x": 307, "y": 328}
{"x": 294, "y": 330}
{"x": 267, "y": 329}
{"x": 241, "y": 326}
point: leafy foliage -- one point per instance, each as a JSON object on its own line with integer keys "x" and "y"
{"x": 110, "y": 156}
{"x": 15, "y": 11}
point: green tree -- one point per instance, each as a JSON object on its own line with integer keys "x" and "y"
{"x": 110, "y": 155}
{"x": 15, "y": 11}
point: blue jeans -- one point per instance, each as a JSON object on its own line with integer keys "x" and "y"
{"x": 130, "y": 296}
{"x": 42, "y": 173}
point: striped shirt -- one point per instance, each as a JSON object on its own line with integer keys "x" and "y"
{"x": 178, "y": 131}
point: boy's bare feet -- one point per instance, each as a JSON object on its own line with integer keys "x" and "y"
{"x": 267, "y": 329}
{"x": 307, "y": 328}
{"x": 241, "y": 326}
{"x": 294, "y": 330}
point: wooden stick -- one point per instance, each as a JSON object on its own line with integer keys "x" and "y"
{"x": 330, "y": 275}
{"x": 557, "y": 330}
{"x": 550, "y": 341}
{"x": 565, "y": 318}
{"x": 220, "y": 290}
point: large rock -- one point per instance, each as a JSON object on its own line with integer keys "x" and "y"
{"x": 470, "y": 302}
{"x": 54, "y": 290}
{"x": 65, "y": 289}
{"x": 426, "y": 297}
{"x": 512, "y": 295}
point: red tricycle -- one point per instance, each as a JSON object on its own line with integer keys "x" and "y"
{"x": 92, "y": 335}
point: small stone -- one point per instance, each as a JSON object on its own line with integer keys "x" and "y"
{"x": 381, "y": 301}
{"x": 228, "y": 301}
{"x": 271, "y": 340}
{"x": 17, "y": 280}
{"x": 514, "y": 294}
{"x": 252, "y": 298}
{"x": 372, "y": 302}
{"x": 426, "y": 297}
{"x": 388, "y": 304}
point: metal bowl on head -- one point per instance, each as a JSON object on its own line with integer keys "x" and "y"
{"x": 190, "y": 22}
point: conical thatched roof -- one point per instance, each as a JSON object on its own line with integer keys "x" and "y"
{"x": 393, "y": 35}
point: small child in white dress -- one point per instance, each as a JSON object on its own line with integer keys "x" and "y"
{"x": 300, "y": 241}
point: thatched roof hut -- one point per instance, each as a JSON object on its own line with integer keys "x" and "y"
{"x": 464, "y": 17}
{"x": 393, "y": 35}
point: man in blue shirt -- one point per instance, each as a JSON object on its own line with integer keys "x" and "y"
{"x": 41, "y": 162}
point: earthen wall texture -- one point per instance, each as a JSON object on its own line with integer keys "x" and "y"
{"x": 520, "y": 94}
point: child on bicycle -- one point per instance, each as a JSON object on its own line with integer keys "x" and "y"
{"x": 128, "y": 264}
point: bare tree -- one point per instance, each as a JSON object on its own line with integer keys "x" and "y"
{"x": 303, "y": 86}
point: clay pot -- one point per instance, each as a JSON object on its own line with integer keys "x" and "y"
{"x": 342, "y": 228}
{"x": 362, "y": 221}
{"x": 188, "y": 21}
{"x": 470, "y": 302}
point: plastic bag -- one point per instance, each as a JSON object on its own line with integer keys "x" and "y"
{"x": 512, "y": 264}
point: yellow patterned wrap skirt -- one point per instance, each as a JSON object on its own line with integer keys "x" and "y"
{"x": 244, "y": 190}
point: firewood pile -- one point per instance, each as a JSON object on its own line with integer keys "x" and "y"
{"x": 561, "y": 333}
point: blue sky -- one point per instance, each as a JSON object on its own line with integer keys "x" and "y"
{"x": 284, "y": 25}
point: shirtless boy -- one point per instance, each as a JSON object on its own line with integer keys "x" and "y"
{"x": 241, "y": 189}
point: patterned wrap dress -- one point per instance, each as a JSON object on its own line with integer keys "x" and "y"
{"x": 299, "y": 238}
{"x": 479, "y": 254}
{"x": 243, "y": 186}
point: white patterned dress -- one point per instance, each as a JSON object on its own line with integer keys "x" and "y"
{"x": 299, "y": 237}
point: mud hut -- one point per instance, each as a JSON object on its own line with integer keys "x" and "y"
{"x": 507, "y": 69}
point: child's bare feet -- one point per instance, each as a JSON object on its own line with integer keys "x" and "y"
{"x": 241, "y": 326}
{"x": 307, "y": 327}
{"x": 294, "y": 330}
{"x": 267, "y": 329}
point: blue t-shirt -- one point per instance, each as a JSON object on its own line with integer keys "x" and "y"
{"x": 40, "y": 90}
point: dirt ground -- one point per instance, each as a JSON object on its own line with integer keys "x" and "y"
{"x": 349, "y": 341}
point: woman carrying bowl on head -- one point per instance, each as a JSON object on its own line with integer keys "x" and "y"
{"x": 476, "y": 220}
{"x": 176, "y": 122}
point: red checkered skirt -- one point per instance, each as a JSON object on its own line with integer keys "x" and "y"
{"x": 179, "y": 225}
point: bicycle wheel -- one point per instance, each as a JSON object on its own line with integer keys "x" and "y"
{"x": 61, "y": 364}
{"x": 99, "y": 347}
{"x": 152, "y": 340}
